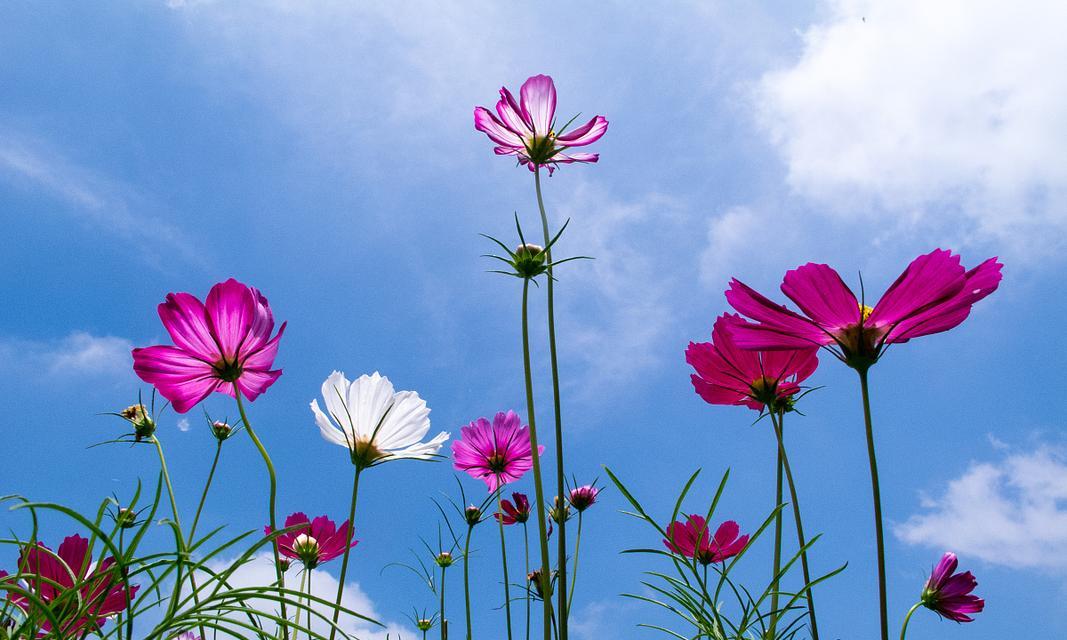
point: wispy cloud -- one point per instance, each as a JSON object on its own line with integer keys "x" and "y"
{"x": 1011, "y": 512}
{"x": 79, "y": 354}
{"x": 107, "y": 206}
{"x": 924, "y": 117}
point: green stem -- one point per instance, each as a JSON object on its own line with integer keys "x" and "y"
{"x": 504, "y": 562}
{"x": 203, "y": 496}
{"x": 348, "y": 549}
{"x": 444, "y": 621}
{"x": 777, "y": 563}
{"x": 779, "y": 428}
{"x": 526, "y": 572}
{"x": 303, "y": 588}
{"x": 466, "y": 580}
{"x": 574, "y": 574}
{"x": 907, "y": 619}
{"x": 546, "y": 578}
{"x": 272, "y": 503}
{"x": 564, "y": 601}
{"x": 877, "y": 495}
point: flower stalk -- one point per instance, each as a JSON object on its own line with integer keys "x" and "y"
{"x": 877, "y": 498}
{"x": 348, "y": 549}
{"x": 504, "y": 564}
{"x": 907, "y": 619}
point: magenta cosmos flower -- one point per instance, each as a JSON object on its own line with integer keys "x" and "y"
{"x": 934, "y": 294}
{"x": 727, "y": 374}
{"x": 583, "y": 497}
{"x": 527, "y": 128}
{"x": 220, "y": 345}
{"x": 514, "y": 512}
{"x": 315, "y": 542}
{"x": 693, "y": 540}
{"x": 497, "y": 452}
{"x": 82, "y": 598}
{"x": 949, "y": 594}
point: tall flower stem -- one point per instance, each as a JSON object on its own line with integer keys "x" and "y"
{"x": 542, "y": 528}
{"x": 272, "y": 503}
{"x": 203, "y": 496}
{"x": 441, "y": 613}
{"x": 907, "y": 619}
{"x": 504, "y": 563}
{"x": 466, "y": 580}
{"x": 564, "y": 602}
{"x": 348, "y": 549}
{"x": 574, "y": 573}
{"x": 877, "y": 495}
{"x": 526, "y": 572}
{"x": 779, "y": 428}
{"x": 777, "y": 561}
{"x": 305, "y": 589}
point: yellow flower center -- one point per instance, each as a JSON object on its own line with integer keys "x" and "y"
{"x": 865, "y": 312}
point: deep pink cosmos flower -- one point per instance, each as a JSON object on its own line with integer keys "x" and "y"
{"x": 80, "y": 597}
{"x": 693, "y": 540}
{"x": 583, "y": 497}
{"x": 218, "y": 345}
{"x": 497, "y": 452}
{"x": 527, "y": 128}
{"x": 317, "y": 541}
{"x": 519, "y": 511}
{"x": 934, "y": 294}
{"x": 727, "y": 374}
{"x": 949, "y": 594}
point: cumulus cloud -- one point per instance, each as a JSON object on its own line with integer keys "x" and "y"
{"x": 1011, "y": 512}
{"x": 944, "y": 118}
{"x": 78, "y": 354}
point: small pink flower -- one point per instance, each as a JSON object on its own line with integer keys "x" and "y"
{"x": 949, "y": 594}
{"x": 221, "y": 345}
{"x": 581, "y": 498}
{"x": 934, "y": 294}
{"x": 693, "y": 540}
{"x": 498, "y": 452}
{"x": 727, "y": 374}
{"x": 519, "y": 511}
{"x": 527, "y": 128}
{"x": 51, "y": 576}
{"x": 316, "y": 542}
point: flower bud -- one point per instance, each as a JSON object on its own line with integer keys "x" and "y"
{"x": 538, "y": 583}
{"x": 283, "y": 564}
{"x": 473, "y": 515}
{"x": 560, "y": 511}
{"x": 424, "y": 624}
{"x": 126, "y": 518}
{"x": 443, "y": 559}
{"x": 221, "y": 430}
{"x": 530, "y": 260}
{"x": 143, "y": 424}
{"x": 581, "y": 498}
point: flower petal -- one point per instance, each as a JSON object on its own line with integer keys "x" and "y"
{"x": 185, "y": 319}
{"x": 488, "y": 124}
{"x": 538, "y": 102}
{"x": 231, "y": 310}
{"x": 179, "y": 377}
{"x": 821, "y": 294}
{"x": 780, "y": 328}
{"x": 588, "y": 133}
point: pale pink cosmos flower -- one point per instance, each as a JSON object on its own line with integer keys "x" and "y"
{"x": 527, "y": 128}
{"x": 223, "y": 344}
{"x": 692, "y": 539}
{"x": 497, "y": 452}
{"x": 315, "y": 542}
{"x": 934, "y": 294}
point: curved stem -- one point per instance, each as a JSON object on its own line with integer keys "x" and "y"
{"x": 504, "y": 562}
{"x": 907, "y": 619}
{"x": 574, "y": 573}
{"x": 203, "y": 496}
{"x": 441, "y": 613}
{"x": 542, "y": 528}
{"x": 877, "y": 495}
{"x": 779, "y": 428}
{"x": 272, "y": 503}
{"x": 466, "y": 580}
{"x": 777, "y": 562}
{"x": 564, "y": 601}
{"x": 348, "y": 549}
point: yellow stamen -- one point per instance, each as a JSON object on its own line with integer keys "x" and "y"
{"x": 865, "y": 312}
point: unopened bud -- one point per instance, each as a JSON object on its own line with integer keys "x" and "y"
{"x": 473, "y": 515}
{"x": 221, "y": 430}
{"x": 443, "y": 559}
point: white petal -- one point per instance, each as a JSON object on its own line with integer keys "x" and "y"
{"x": 422, "y": 450}
{"x": 329, "y": 432}
{"x": 368, "y": 399}
{"x": 334, "y": 393}
{"x": 407, "y": 422}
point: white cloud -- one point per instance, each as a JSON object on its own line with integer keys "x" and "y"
{"x": 259, "y": 571}
{"x": 183, "y": 425}
{"x": 1011, "y": 512}
{"x": 78, "y": 354}
{"x": 943, "y": 117}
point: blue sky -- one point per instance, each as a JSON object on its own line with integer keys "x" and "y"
{"x": 325, "y": 153}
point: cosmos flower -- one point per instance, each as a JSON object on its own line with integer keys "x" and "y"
{"x": 934, "y": 294}
{"x": 374, "y": 422}
{"x": 949, "y": 594}
{"x": 581, "y": 498}
{"x": 727, "y": 374}
{"x": 315, "y": 542}
{"x": 693, "y": 540}
{"x": 514, "y": 512}
{"x": 223, "y": 344}
{"x": 527, "y": 128}
{"x": 497, "y": 452}
{"x": 80, "y": 596}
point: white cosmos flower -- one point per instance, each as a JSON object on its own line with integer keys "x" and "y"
{"x": 374, "y": 422}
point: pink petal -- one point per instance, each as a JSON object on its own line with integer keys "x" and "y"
{"x": 780, "y": 328}
{"x": 231, "y": 310}
{"x": 563, "y": 158}
{"x": 929, "y": 279}
{"x": 496, "y": 130}
{"x": 511, "y": 114}
{"x": 185, "y": 319}
{"x": 538, "y": 103}
{"x": 821, "y": 294}
{"x": 179, "y": 377}
{"x": 254, "y": 383}
{"x": 588, "y": 133}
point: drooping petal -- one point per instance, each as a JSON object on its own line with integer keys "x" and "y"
{"x": 179, "y": 377}
{"x": 329, "y": 431}
{"x": 780, "y": 328}
{"x": 588, "y": 133}
{"x": 538, "y": 103}
{"x": 822, "y": 295}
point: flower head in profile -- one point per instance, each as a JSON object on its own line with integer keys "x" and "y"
{"x": 375, "y": 423}
{"x": 583, "y": 497}
{"x": 313, "y": 542}
{"x": 516, "y": 510}
{"x": 949, "y": 594}
{"x": 497, "y": 452}
{"x": 727, "y": 374}
{"x": 80, "y": 596}
{"x": 934, "y": 294}
{"x": 527, "y": 128}
{"x": 692, "y": 539}
{"x": 223, "y": 344}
